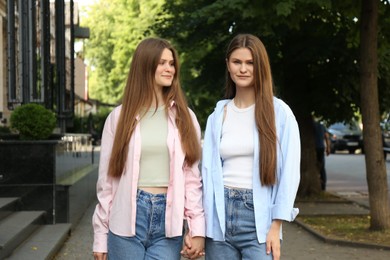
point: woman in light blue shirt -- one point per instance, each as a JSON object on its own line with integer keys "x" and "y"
{"x": 251, "y": 160}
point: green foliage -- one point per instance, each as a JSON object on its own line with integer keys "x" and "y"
{"x": 33, "y": 121}
{"x": 384, "y": 58}
{"x": 117, "y": 26}
{"x": 92, "y": 124}
{"x": 313, "y": 47}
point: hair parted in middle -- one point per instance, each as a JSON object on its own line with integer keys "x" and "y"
{"x": 139, "y": 94}
{"x": 264, "y": 106}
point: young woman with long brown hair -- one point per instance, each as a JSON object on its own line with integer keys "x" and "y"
{"x": 251, "y": 160}
{"x": 149, "y": 181}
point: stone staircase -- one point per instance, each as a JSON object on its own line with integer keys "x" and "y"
{"x": 25, "y": 234}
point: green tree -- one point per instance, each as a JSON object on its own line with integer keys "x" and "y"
{"x": 117, "y": 26}
{"x": 313, "y": 46}
{"x": 314, "y": 50}
{"x": 99, "y": 49}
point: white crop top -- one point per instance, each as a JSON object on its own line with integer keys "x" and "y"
{"x": 237, "y": 146}
{"x": 154, "y": 162}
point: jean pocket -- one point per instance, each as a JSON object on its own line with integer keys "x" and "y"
{"x": 249, "y": 204}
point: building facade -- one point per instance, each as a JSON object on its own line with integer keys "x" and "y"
{"x": 37, "y": 58}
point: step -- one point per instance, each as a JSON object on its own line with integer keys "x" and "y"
{"x": 15, "y": 228}
{"x": 44, "y": 243}
{"x": 8, "y": 205}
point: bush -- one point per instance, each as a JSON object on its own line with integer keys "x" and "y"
{"x": 92, "y": 124}
{"x": 33, "y": 121}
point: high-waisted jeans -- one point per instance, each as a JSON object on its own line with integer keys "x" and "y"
{"x": 150, "y": 241}
{"x": 240, "y": 236}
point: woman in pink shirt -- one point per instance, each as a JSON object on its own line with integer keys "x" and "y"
{"x": 149, "y": 181}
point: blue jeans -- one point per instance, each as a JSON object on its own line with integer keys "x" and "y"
{"x": 240, "y": 236}
{"x": 150, "y": 241}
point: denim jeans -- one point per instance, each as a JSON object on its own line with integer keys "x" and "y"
{"x": 240, "y": 236}
{"x": 150, "y": 241}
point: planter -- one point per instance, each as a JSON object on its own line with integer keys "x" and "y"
{"x": 45, "y": 173}
{"x": 27, "y": 162}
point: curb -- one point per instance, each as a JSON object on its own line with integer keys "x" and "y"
{"x": 339, "y": 241}
{"x": 351, "y": 200}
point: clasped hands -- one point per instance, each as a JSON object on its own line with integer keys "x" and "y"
{"x": 193, "y": 247}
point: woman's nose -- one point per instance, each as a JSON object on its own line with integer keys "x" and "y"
{"x": 168, "y": 67}
{"x": 243, "y": 68}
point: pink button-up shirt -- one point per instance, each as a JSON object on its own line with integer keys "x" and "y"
{"x": 116, "y": 210}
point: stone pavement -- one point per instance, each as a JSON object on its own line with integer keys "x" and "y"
{"x": 299, "y": 243}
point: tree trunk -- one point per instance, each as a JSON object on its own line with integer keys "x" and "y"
{"x": 375, "y": 165}
{"x": 310, "y": 175}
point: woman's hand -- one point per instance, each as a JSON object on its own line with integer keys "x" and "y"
{"x": 193, "y": 247}
{"x": 99, "y": 256}
{"x": 273, "y": 239}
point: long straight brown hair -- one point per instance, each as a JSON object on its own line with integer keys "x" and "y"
{"x": 264, "y": 108}
{"x": 139, "y": 93}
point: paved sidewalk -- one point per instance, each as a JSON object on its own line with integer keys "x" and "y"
{"x": 298, "y": 243}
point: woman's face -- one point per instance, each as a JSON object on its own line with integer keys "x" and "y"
{"x": 165, "y": 69}
{"x": 240, "y": 67}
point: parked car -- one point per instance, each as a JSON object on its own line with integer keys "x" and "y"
{"x": 345, "y": 136}
{"x": 385, "y": 126}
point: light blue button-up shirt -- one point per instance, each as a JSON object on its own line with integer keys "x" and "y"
{"x": 270, "y": 202}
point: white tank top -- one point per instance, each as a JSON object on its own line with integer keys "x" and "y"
{"x": 237, "y": 146}
{"x": 154, "y": 162}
